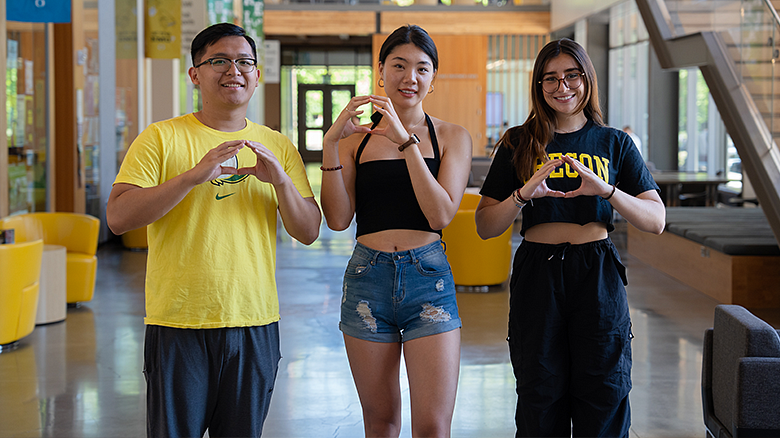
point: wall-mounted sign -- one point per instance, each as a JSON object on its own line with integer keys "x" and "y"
{"x": 38, "y": 11}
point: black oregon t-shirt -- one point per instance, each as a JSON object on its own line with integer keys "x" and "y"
{"x": 610, "y": 153}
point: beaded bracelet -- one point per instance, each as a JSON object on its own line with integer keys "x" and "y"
{"x": 330, "y": 169}
{"x": 612, "y": 193}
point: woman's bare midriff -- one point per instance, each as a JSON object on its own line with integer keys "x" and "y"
{"x": 562, "y": 232}
{"x": 397, "y": 240}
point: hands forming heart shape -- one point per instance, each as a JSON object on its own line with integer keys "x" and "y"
{"x": 591, "y": 184}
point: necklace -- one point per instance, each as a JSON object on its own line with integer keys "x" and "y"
{"x": 561, "y": 131}
{"x": 415, "y": 125}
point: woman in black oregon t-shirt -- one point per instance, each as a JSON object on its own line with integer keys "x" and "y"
{"x": 569, "y": 324}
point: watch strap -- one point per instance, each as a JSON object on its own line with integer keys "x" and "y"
{"x": 413, "y": 139}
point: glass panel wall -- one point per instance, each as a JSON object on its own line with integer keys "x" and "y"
{"x": 26, "y": 91}
{"x": 703, "y": 145}
{"x": 628, "y": 72}
{"x": 89, "y": 117}
{"x": 509, "y": 69}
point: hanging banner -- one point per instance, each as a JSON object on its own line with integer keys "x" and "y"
{"x": 163, "y": 29}
{"x": 253, "y": 18}
{"x": 38, "y": 11}
{"x": 254, "y": 11}
{"x": 126, "y": 25}
{"x": 220, "y": 11}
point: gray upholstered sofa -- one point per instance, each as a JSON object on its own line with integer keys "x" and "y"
{"x": 741, "y": 375}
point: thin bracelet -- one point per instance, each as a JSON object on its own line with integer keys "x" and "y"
{"x": 610, "y": 195}
{"x": 330, "y": 169}
{"x": 525, "y": 201}
{"x": 518, "y": 200}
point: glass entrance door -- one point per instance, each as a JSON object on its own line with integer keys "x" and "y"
{"x": 318, "y": 106}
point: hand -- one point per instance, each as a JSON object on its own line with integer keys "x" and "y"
{"x": 591, "y": 184}
{"x": 210, "y": 166}
{"x": 343, "y": 126}
{"x": 267, "y": 169}
{"x": 395, "y": 131}
{"x": 537, "y": 185}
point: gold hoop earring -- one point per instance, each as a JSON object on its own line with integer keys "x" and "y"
{"x": 381, "y": 83}
{"x": 431, "y": 90}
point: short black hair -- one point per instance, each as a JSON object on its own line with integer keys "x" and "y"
{"x": 413, "y": 34}
{"x": 214, "y": 33}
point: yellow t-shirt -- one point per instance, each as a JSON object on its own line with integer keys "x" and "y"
{"x": 212, "y": 258}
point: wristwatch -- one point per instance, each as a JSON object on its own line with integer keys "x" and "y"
{"x": 413, "y": 139}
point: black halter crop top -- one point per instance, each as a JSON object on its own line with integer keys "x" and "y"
{"x": 384, "y": 196}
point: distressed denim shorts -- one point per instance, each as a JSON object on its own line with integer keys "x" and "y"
{"x": 398, "y": 296}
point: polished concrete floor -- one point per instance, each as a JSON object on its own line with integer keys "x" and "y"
{"x": 82, "y": 377}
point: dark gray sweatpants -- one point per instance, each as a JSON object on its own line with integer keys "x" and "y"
{"x": 220, "y": 379}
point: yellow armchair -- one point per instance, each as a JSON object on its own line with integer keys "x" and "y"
{"x": 476, "y": 262}
{"x": 76, "y": 232}
{"x": 20, "y": 271}
{"x": 136, "y": 239}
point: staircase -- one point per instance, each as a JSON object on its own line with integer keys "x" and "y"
{"x": 736, "y": 45}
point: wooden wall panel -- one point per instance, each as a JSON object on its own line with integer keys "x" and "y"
{"x": 69, "y": 82}
{"x": 470, "y": 23}
{"x": 277, "y": 22}
{"x": 281, "y": 22}
{"x": 459, "y": 86}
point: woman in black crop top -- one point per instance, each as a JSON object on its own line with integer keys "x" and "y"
{"x": 402, "y": 178}
{"x": 569, "y": 324}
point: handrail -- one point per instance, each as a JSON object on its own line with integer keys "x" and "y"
{"x": 772, "y": 9}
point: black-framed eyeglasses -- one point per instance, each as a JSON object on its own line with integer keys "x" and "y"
{"x": 221, "y": 65}
{"x": 551, "y": 84}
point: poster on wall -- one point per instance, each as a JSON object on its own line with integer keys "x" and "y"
{"x": 193, "y": 20}
{"x": 272, "y": 62}
{"x": 38, "y": 11}
{"x": 163, "y": 29}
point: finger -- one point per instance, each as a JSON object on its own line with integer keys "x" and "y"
{"x": 255, "y": 146}
{"x": 556, "y": 194}
{"x": 231, "y": 144}
{"x": 228, "y": 170}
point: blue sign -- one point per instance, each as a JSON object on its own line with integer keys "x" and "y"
{"x": 38, "y": 11}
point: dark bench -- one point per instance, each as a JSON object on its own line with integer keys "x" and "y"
{"x": 732, "y": 231}
{"x": 730, "y": 254}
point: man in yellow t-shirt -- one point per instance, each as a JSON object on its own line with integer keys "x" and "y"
{"x": 209, "y": 186}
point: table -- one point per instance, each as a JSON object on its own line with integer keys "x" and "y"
{"x": 53, "y": 295}
{"x": 670, "y": 183}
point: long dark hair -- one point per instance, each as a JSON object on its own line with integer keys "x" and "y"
{"x": 410, "y": 34}
{"x": 214, "y": 33}
{"x": 529, "y": 140}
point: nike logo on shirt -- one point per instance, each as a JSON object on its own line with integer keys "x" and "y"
{"x": 223, "y": 197}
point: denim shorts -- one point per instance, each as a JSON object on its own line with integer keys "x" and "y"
{"x": 398, "y": 296}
